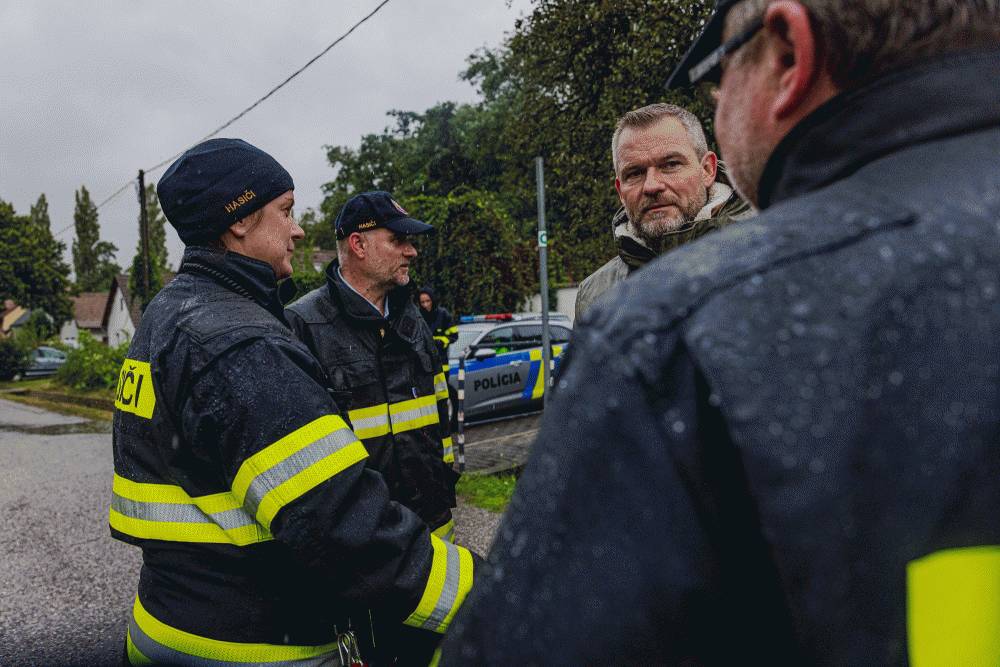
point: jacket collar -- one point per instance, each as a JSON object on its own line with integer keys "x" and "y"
{"x": 238, "y": 273}
{"x": 356, "y": 306}
{"x": 949, "y": 95}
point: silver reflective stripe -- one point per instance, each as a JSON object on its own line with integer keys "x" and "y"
{"x": 180, "y": 513}
{"x": 449, "y": 593}
{"x": 164, "y": 655}
{"x": 284, "y": 470}
{"x": 368, "y": 423}
{"x": 401, "y": 418}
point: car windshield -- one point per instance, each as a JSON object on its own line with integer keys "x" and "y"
{"x": 466, "y": 337}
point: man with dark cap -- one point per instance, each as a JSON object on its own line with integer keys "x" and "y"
{"x": 264, "y": 534}
{"x": 383, "y": 365}
{"x": 784, "y": 449}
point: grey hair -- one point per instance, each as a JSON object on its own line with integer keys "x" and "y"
{"x": 649, "y": 114}
{"x": 860, "y": 40}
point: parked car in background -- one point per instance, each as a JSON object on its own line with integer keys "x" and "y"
{"x": 503, "y": 367}
{"x": 44, "y": 360}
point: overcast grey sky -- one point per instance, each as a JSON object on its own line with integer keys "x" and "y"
{"x": 92, "y": 92}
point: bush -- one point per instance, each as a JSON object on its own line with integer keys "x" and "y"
{"x": 13, "y": 358}
{"x": 93, "y": 365}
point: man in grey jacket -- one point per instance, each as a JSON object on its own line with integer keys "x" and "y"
{"x": 666, "y": 180}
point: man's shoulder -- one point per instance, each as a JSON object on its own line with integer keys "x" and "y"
{"x": 600, "y": 281}
{"x": 315, "y": 307}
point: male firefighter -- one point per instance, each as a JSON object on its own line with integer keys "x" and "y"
{"x": 666, "y": 179}
{"x": 264, "y": 535}
{"x": 784, "y": 447}
{"x": 382, "y": 361}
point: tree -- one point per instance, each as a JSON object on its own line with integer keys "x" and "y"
{"x": 555, "y": 88}
{"x": 32, "y": 271}
{"x": 93, "y": 259}
{"x": 474, "y": 258}
{"x": 159, "y": 264}
{"x": 564, "y": 76}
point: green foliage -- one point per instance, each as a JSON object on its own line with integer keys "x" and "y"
{"x": 93, "y": 365}
{"x": 32, "y": 271}
{"x": 554, "y": 89}
{"x": 93, "y": 259}
{"x": 474, "y": 259}
{"x": 487, "y": 491}
{"x": 306, "y": 276}
{"x": 13, "y": 358}
{"x": 158, "y": 264}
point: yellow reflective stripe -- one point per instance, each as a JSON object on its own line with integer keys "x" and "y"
{"x": 440, "y": 387}
{"x": 449, "y": 450}
{"x": 446, "y": 532}
{"x": 449, "y": 582}
{"x": 164, "y": 644}
{"x": 953, "y": 607}
{"x": 145, "y": 529}
{"x": 414, "y": 413}
{"x": 167, "y": 512}
{"x": 370, "y": 422}
{"x": 435, "y": 659}
{"x": 135, "y": 656}
{"x": 536, "y": 355}
{"x": 295, "y": 464}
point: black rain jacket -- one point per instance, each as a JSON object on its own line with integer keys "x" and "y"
{"x": 385, "y": 374}
{"x": 785, "y": 448}
{"x": 247, "y": 492}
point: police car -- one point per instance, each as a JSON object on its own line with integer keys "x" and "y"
{"x": 503, "y": 362}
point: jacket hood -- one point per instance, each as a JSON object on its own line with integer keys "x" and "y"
{"x": 635, "y": 252}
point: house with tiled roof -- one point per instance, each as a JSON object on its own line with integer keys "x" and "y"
{"x": 88, "y": 315}
{"x": 12, "y": 315}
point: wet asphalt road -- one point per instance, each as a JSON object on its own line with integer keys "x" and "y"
{"x": 65, "y": 586}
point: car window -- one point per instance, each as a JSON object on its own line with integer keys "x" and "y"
{"x": 501, "y": 339}
{"x": 528, "y": 336}
{"x": 559, "y": 335}
{"x": 466, "y": 337}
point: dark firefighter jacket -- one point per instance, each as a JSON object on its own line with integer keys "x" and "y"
{"x": 442, "y": 328}
{"x": 260, "y": 525}
{"x": 785, "y": 449}
{"x": 385, "y": 374}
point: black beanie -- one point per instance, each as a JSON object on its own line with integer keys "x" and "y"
{"x": 216, "y": 184}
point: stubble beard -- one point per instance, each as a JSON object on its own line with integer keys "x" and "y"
{"x": 652, "y": 229}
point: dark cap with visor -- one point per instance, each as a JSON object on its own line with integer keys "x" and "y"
{"x": 371, "y": 210}
{"x": 702, "y": 59}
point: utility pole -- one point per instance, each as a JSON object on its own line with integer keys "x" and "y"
{"x": 543, "y": 269}
{"x": 144, "y": 236}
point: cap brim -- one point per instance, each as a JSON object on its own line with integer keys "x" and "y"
{"x": 408, "y": 226}
{"x": 709, "y": 39}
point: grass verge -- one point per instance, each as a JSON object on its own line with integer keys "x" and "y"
{"x": 491, "y": 492}
{"x": 65, "y": 404}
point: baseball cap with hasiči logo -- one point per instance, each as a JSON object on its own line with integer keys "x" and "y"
{"x": 371, "y": 210}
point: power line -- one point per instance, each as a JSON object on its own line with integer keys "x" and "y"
{"x": 250, "y": 108}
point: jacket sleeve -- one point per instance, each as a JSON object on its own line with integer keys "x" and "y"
{"x": 606, "y": 554}
{"x": 295, "y": 465}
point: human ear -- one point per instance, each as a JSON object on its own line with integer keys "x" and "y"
{"x": 790, "y": 54}
{"x": 709, "y": 167}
